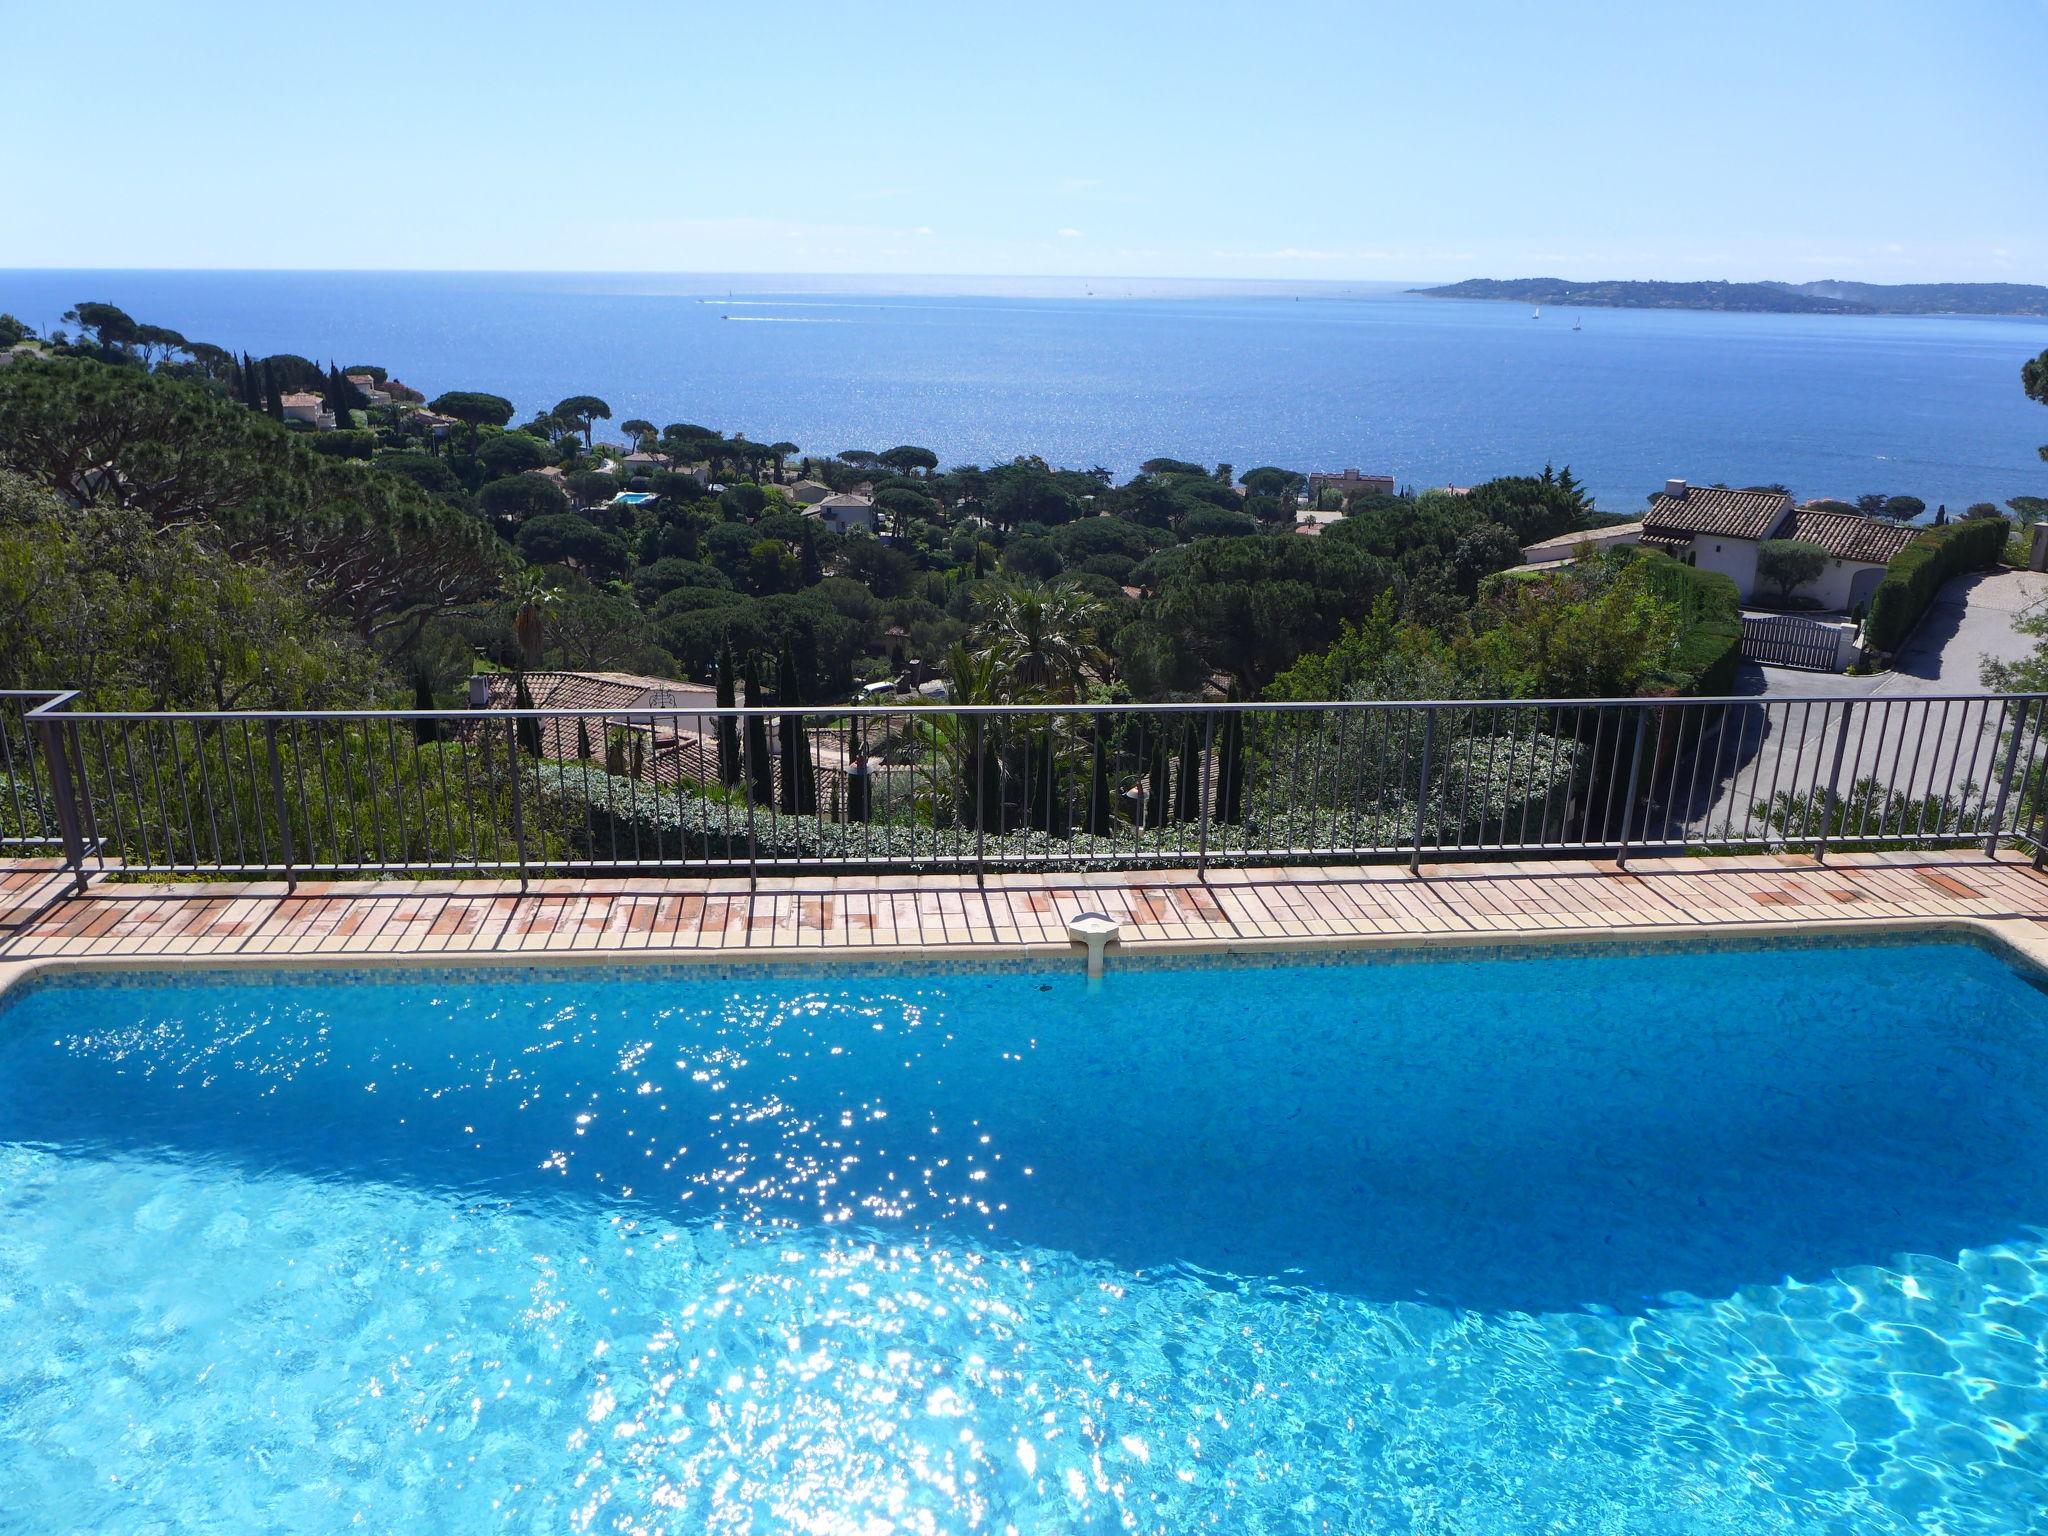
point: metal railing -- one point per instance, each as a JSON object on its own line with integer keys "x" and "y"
{"x": 999, "y": 787}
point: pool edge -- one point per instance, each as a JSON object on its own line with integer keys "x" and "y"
{"x": 2020, "y": 940}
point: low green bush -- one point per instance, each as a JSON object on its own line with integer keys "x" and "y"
{"x": 1923, "y": 567}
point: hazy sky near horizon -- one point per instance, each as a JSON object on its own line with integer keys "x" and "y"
{"x": 1887, "y": 140}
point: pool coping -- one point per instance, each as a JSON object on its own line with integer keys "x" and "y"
{"x": 2019, "y": 940}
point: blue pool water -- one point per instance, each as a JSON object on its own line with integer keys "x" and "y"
{"x": 1741, "y": 1240}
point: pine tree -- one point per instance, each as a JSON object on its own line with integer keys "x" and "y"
{"x": 799, "y": 788}
{"x": 728, "y": 729}
{"x": 760, "y": 767}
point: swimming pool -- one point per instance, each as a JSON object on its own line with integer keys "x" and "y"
{"x": 1703, "y": 1240}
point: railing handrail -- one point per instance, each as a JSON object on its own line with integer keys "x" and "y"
{"x": 940, "y": 706}
{"x": 926, "y": 783}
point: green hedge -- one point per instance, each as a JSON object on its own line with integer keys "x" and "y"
{"x": 1922, "y": 568}
{"x": 1707, "y": 658}
{"x": 1699, "y": 596}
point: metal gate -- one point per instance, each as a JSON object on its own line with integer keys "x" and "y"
{"x": 1783, "y": 640}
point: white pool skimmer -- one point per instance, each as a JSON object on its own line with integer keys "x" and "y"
{"x": 1094, "y": 930}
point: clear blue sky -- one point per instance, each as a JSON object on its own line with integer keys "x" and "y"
{"x": 1879, "y": 139}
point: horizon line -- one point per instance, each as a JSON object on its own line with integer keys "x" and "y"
{"x": 1300, "y": 281}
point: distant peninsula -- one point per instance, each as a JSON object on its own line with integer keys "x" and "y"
{"x": 1828, "y": 297}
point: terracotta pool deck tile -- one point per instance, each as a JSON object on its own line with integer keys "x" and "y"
{"x": 824, "y": 912}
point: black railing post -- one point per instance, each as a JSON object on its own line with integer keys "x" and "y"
{"x": 2012, "y": 757}
{"x": 1833, "y": 796}
{"x": 747, "y": 785}
{"x": 57, "y": 761}
{"x": 1422, "y": 791}
{"x": 1628, "y": 795}
{"x": 1208, "y": 745}
{"x": 284, "y": 815}
{"x": 518, "y": 805}
{"x": 976, "y": 765}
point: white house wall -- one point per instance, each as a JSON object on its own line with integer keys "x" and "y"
{"x": 1733, "y": 558}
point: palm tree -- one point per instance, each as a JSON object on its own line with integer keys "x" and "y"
{"x": 1043, "y": 638}
{"x": 531, "y": 597}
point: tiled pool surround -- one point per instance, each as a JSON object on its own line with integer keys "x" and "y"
{"x": 850, "y": 917}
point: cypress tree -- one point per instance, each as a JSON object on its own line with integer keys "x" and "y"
{"x": 728, "y": 729}
{"x": 1101, "y": 817}
{"x": 808, "y": 569}
{"x": 1187, "y": 800}
{"x": 1157, "y": 789}
{"x": 1230, "y": 766}
{"x": 1048, "y": 811}
{"x": 984, "y": 779}
{"x": 583, "y": 752}
{"x": 529, "y": 727}
{"x": 799, "y": 789}
{"x": 859, "y": 775}
{"x": 761, "y": 768}
{"x": 424, "y": 731}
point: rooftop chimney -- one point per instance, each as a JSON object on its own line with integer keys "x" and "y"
{"x": 1675, "y": 489}
{"x": 479, "y": 690}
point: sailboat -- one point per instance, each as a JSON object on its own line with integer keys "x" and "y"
{"x": 1575, "y": 322}
{"x": 1538, "y": 313}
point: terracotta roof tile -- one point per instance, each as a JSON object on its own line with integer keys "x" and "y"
{"x": 1847, "y": 536}
{"x": 1710, "y": 509}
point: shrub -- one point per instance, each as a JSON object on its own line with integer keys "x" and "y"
{"x": 1922, "y": 568}
{"x": 1789, "y": 564}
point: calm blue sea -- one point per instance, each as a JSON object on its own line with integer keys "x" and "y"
{"x": 1745, "y": 1242}
{"x": 1114, "y": 372}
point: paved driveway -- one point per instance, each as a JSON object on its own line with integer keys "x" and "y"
{"x": 1971, "y": 620}
{"x": 1942, "y": 749}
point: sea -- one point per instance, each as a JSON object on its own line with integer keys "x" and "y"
{"x": 1111, "y": 372}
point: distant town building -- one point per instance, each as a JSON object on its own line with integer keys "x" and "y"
{"x": 1349, "y": 484}
{"x": 843, "y": 514}
{"x": 809, "y": 492}
{"x": 302, "y": 405}
{"x": 370, "y": 389}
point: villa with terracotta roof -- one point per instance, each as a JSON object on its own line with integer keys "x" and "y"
{"x": 305, "y": 406}
{"x": 1718, "y": 529}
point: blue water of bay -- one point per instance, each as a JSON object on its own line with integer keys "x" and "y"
{"x": 1113, "y": 372}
